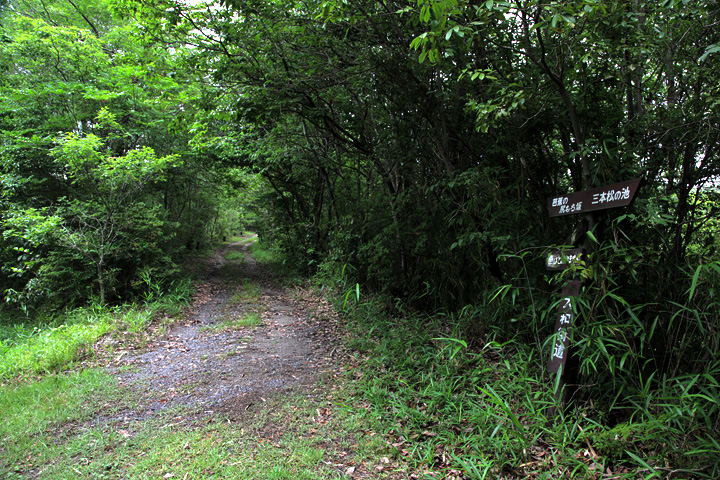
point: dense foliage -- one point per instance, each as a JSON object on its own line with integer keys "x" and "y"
{"x": 408, "y": 148}
{"x": 412, "y": 146}
{"x": 101, "y": 188}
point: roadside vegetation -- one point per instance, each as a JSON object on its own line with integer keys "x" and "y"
{"x": 51, "y": 432}
{"x": 30, "y": 346}
{"x": 454, "y": 407}
{"x": 418, "y": 395}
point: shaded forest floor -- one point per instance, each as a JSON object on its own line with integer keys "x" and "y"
{"x": 249, "y": 383}
{"x": 257, "y": 380}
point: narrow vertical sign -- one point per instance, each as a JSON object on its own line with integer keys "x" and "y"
{"x": 563, "y": 324}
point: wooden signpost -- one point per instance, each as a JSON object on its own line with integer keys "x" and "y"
{"x": 564, "y": 259}
{"x": 610, "y": 196}
{"x": 563, "y": 324}
{"x": 601, "y": 198}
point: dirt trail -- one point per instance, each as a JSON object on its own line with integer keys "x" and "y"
{"x": 210, "y": 369}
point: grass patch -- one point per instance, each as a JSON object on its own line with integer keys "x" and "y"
{"x": 47, "y": 348}
{"x": 44, "y": 346}
{"x": 233, "y": 269}
{"x": 247, "y": 292}
{"x": 282, "y": 440}
{"x": 48, "y": 434}
{"x": 234, "y": 256}
{"x": 264, "y": 253}
{"x": 245, "y": 320}
{"x": 249, "y": 240}
{"x": 40, "y": 416}
{"x": 273, "y": 258}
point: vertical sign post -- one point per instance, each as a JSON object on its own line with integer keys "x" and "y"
{"x": 563, "y": 325}
{"x": 602, "y": 198}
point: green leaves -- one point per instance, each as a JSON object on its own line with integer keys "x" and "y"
{"x": 493, "y": 397}
{"x": 79, "y": 153}
{"x": 33, "y": 226}
{"x": 709, "y": 51}
{"x": 85, "y": 111}
{"x": 105, "y": 174}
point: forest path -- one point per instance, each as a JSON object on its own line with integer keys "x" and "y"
{"x": 245, "y": 339}
{"x": 252, "y": 382}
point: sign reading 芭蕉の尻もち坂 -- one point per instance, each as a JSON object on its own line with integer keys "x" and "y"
{"x": 610, "y": 196}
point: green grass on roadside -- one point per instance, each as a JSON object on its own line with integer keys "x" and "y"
{"x": 47, "y": 346}
{"x": 37, "y": 415}
{"x": 482, "y": 413}
{"x": 268, "y": 255}
{"x": 52, "y": 431}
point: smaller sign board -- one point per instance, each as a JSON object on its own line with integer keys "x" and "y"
{"x": 563, "y": 324}
{"x": 610, "y": 196}
{"x": 562, "y": 259}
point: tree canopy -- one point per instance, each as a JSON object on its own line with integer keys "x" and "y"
{"x": 101, "y": 187}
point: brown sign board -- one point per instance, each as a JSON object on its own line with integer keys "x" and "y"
{"x": 610, "y": 196}
{"x": 563, "y": 324}
{"x": 562, "y": 259}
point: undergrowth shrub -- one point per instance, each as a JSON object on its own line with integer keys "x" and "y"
{"x": 470, "y": 391}
{"x": 652, "y": 367}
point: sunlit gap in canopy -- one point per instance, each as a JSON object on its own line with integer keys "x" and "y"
{"x": 204, "y": 30}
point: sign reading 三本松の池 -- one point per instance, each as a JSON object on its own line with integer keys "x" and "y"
{"x": 610, "y": 196}
{"x": 563, "y": 324}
